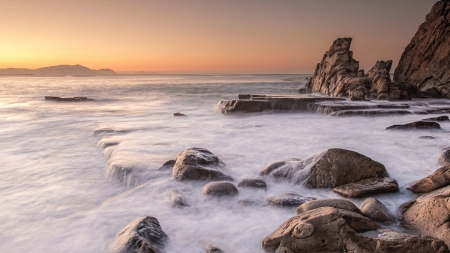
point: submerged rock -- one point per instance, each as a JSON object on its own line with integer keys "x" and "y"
{"x": 253, "y": 183}
{"x": 367, "y": 187}
{"x": 211, "y": 249}
{"x": 179, "y": 114}
{"x": 438, "y": 179}
{"x": 167, "y": 165}
{"x": 288, "y": 200}
{"x": 330, "y": 168}
{"x": 327, "y": 230}
{"x": 336, "y": 203}
{"x": 220, "y": 188}
{"x": 176, "y": 200}
{"x": 199, "y": 164}
{"x": 68, "y": 99}
{"x": 416, "y": 125}
{"x": 429, "y": 214}
{"x": 425, "y": 62}
{"x": 376, "y": 211}
{"x": 444, "y": 159}
{"x": 144, "y": 235}
{"x": 441, "y": 118}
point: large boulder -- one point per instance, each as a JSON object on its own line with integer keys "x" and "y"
{"x": 144, "y": 235}
{"x": 373, "y": 209}
{"x": 438, "y": 179}
{"x": 220, "y": 188}
{"x": 330, "y": 168}
{"x": 425, "y": 63}
{"x": 199, "y": 164}
{"x": 327, "y": 229}
{"x": 430, "y": 214}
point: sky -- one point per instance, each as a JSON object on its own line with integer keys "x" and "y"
{"x": 203, "y": 36}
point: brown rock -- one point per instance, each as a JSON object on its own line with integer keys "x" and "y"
{"x": 444, "y": 159}
{"x": 438, "y": 179}
{"x": 425, "y": 63}
{"x": 198, "y": 164}
{"x": 327, "y": 230}
{"x": 367, "y": 187}
{"x": 144, "y": 235}
{"x": 336, "y": 203}
{"x": 330, "y": 168}
{"x": 212, "y": 249}
{"x": 376, "y": 211}
{"x": 176, "y": 200}
{"x": 430, "y": 214}
{"x": 220, "y": 188}
{"x": 254, "y": 183}
{"x": 288, "y": 200}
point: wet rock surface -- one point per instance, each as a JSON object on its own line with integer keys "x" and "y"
{"x": 376, "y": 211}
{"x": 288, "y": 200}
{"x": 199, "y": 164}
{"x": 419, "y": 125}
{"x": 438, "y": 179}
{"x": 444, "y": 158}
{"x": 425, "y": 62}
{"x": 176, "y": 200}
{"x": 68, "y": 99}
{"x": 430, "y": 214}
{"x": 336, "y": 203}
{"x": 212, "y": 249}
{"x": 367, "y": 187}
{"x": 440, "y": 118}
{"x": 179, "y": 114}
{"x": 330, "y": 168}
{"x": 253, "y": 183}
{"x": 326, "y": 230}
{"x": 220, "y": 188}
{"x": 144, "y": 235}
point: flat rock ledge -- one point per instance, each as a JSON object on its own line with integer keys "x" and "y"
{"x": 439, "y": 178}
{"x": 419, "y": 125}
{"x": 367, "y": 187}
{"x": 68, "y": 99}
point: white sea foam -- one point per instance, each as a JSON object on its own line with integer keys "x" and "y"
{"x": 56, "y": 197}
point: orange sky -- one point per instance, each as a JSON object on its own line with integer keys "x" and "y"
{"x": 203, "y": 36}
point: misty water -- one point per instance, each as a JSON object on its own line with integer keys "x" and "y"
{"x": 56, "y": 196}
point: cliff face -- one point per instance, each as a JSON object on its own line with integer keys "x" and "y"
{"x": 425, "y": 63}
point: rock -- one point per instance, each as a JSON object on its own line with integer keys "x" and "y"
{"x": 254, "y": 183}
{"x": 416, "y": 125}
{"x": 249, "y": 202}
{"x": 338, "y": 75}
{"x": 68, "y": 99}
{"x": 441, "y": 118}
{"x": 425, "y": 63}
{"x": 167, "y": 165}
{"x": 336, "y": 203}
{"x": 376, "y": 211}
{"x": 429, "y": 214}
{"x": 367, "y": 187}
{"x": 144, "y": 235}
{"x": 109, "y": 130}
{"x": 198, "y": 164}
{"x": 444, "y": 159}
{"x": 178, "y": 114}
{"x": 288, "y": 200}
{"x": 176, "y": 200}
{"x": 211, "y": 249}
{"x": 303, "y": 90}
{"x": 438, "y": 179}
{"x": 105, "y": 145}
{"x": 326, "y": 230}
{"x": 220, "y": 188}
{"x": 427, "y": 137}
{"x": 330, "y": 168}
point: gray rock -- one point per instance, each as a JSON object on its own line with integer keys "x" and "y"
{"x": 441, "y": 118}
{"x": 220, "y": 188}
{"x": 438, "y": 179}
{"x": 176, "y": 200}
{"x": 288, "y": 200}
{"x": 144, "y": 235}
{"x": 199, "y": 164}
{"x": 444, "y": 159}
{"x": 425, "y": 62}
{"x": 376, "y": 211}
{"x": 253, "y": 183}
{"x": 328, "y": 229}
{"x": 330, "y": 168}
{"x": 211, "y": 249}
{"x": 416, "y": 125}
{"x": 367, "y": 187}
{"x": 68, "y": 99}
{"x": 179, "y": 114}
{"x": 336, "y": 203}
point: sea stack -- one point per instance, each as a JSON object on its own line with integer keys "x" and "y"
{"x": 425, "y": 63}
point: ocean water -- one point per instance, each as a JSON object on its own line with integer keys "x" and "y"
{"x": 56, "y": 195}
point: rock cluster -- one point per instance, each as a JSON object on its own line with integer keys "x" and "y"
{"x": 425, "y": 63}
{"x": 338, "y": 75}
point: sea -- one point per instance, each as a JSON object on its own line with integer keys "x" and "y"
{"x": 58, "y": 192}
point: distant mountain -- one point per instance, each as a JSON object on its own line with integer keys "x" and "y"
{"x": 61, "y": 70}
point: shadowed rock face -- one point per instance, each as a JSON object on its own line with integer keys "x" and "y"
{"x": 438, "y": 179}
{"x": 425, "y": 63}
{"x": 141, "y": 236}
{"x": 430, "y": 214}
{"x": 376, "y": 211}
{"x": 329, "y": 229}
